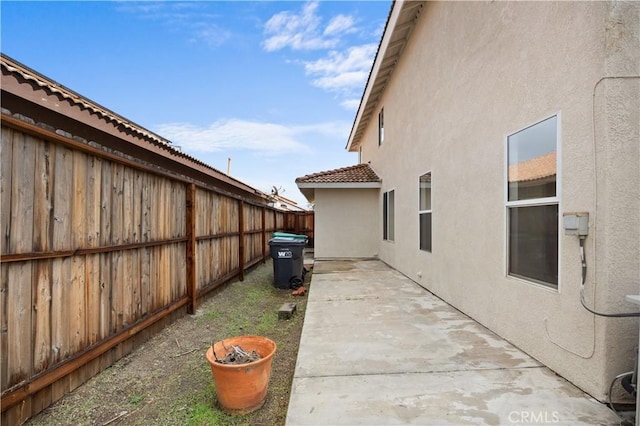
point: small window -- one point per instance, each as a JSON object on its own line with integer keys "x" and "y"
{"x": 532, "y": 203}
{"x": 381, "y": 126}
{"x": 425, "y": 212}
{"x": 388, "y": 215}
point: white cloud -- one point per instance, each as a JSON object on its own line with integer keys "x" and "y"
{"x": 188, "y": 17}
{"x": 350, "y": 104}
{"x": 212, "y": 34}
{"x": 343, "y": 71}
{"x": 260, "y": 137}
{"x": 302, "y": 31}
{"x": 340, "y": 24}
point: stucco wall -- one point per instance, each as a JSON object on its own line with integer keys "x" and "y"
{"x": 473, "y": 73}
{"x": 347, "y": 223}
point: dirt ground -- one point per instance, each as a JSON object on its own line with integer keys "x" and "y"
{"x": 168, "y": 380}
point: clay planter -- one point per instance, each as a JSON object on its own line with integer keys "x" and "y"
{"x": 242, "y": 388}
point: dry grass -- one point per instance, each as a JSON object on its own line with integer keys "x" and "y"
{"x": 168, "y": 380}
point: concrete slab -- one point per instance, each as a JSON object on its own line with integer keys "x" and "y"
{"x": 492, "y": 397}
{"x": 376, "y": 348}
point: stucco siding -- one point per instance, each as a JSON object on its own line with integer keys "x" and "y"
{"x": 347, "y": 223}
{"x": 472, "y": 74}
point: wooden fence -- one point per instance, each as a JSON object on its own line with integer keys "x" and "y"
{"x": 99, "y": 252}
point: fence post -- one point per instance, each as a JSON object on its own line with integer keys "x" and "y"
{"x": 192, "y": 291}
{"x": 241, "y": 238}
{"x": 264, "y": 234}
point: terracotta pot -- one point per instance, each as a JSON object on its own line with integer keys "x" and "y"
{"x": 242, "y": 388}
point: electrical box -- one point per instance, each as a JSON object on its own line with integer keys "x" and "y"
{"x": 576, "y": 223}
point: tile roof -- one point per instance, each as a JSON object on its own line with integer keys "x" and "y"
{"x": 359, "y": 173}
{"x": 534, "y": 169}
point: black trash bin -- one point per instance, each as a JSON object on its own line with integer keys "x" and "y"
{"x": 288, "y": 261}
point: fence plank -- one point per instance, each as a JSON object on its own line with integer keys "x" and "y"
{"x": 94, "y": 230}
{"x": 19, "y": 362}
{"x": 22, "y": 193}
{"x": 190, "y": 213}
{"x": 127, "y": 205}
{"x": 6, "y": 171}
{"x": 92, "y": 298}
{"x": 105, "y": 205}
{"x": 79, "y": 200}
{"x": 59, "y": 309}
{"x": 62, "y": 200}
{"x": 77, "y": 311}
{"x": 106, "y": 190}
{"x": 94, "y": 196}
{"x": 42, "y": 315}
{"x": 128, "y": 287}
{"x": 145, "y": 281}
{"x": 241, "y": 242}
{"x": 117, "y": 204}
{"x": 117, "y": 280}
{"x": 4, "y": 327}
{"x": 117, "y": 236}
{"x": 43, "y": 196}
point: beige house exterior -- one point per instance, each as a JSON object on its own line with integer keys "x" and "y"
{"x": 486, "y": 123}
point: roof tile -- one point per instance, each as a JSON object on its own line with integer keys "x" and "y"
{"x": 357, "y": 173}
{"x": 533, "y": 169}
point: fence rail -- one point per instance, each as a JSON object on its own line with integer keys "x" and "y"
{"x": 99, "y": 251}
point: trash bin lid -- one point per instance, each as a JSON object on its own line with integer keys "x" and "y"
{"x": 286, "y": 235}
{"x": 287, "y": 240}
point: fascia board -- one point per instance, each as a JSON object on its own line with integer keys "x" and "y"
{"x": 384, "y": 44}
{"x": 317, "y": 185}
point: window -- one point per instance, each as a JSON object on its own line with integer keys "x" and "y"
{"x": 388, "y": 207}
{"x": 532, "y": 203}
{"x": 381, "y": 126}
{"x": 425, "y": 212}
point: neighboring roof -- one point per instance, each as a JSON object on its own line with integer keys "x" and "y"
{"x": 283, "y": 203}
{"x": 43, "y": 93}
{"x": 398, "y": 28}
{"x": 360, "y": 173}
{"x": 535, "y": 169}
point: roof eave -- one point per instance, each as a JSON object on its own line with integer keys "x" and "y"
{"x": 308, "y": 189}
{"x": 324, "y": 185}
{"x": 399, "y": 26}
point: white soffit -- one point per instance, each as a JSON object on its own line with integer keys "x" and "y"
{"x": 400, "y": 24}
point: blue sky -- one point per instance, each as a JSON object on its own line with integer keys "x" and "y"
{"x": 272, "y": 85}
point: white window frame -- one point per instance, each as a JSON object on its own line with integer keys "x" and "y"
{"x": 421, "y": 212}
{"x": 388, "y": 221}
{"x": 381, "y": 126}
{"x": 545, "y": 201}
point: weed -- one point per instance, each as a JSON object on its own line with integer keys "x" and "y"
{"x": 136, "y": 399}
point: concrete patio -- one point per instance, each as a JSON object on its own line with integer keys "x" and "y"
{"x": 378, "y": 349}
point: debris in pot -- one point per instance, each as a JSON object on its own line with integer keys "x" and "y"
{"x": 236, "y": 355}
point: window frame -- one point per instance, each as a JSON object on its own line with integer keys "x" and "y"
{"x": 533, "y": 202}
{"x": 388, "y": 221}
{"x": 427, "y": 211}
{"x": 381, "y": 126}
